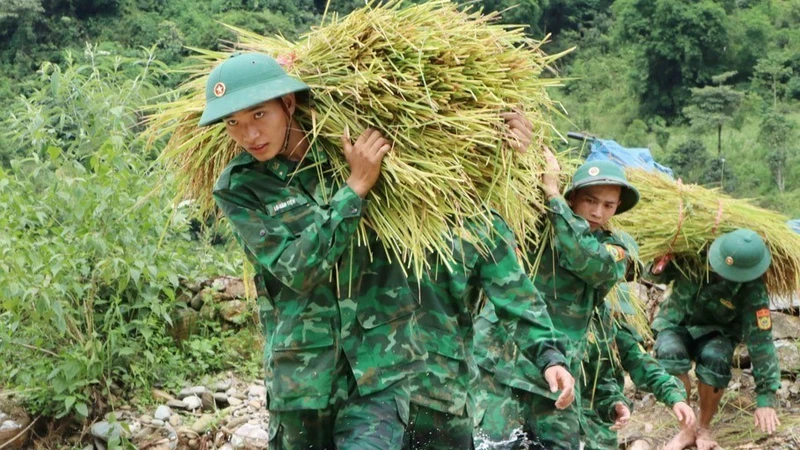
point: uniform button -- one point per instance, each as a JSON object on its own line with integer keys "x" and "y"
{"x": 353, "y": 210}
{"x": 262, "y": 233}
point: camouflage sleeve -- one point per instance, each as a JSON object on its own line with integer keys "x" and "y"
{"x": 645, "y": 371}
{"x": 603, "y": 370}
{"x": 681, "y": 294}
{"x": 597, "y": 263}
{"x": 511, "y": 291}
{"x": 300, "y": 261}
{"x": 757, "y": 330}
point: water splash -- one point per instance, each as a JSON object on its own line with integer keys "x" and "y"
{"x": 518, "y": 439}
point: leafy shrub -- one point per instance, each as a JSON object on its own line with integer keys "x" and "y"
{"x": 91, "y": 255}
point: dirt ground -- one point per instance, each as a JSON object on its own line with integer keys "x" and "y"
{"x": 652, "y": 424}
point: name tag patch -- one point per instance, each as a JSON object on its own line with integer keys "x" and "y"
{"x": 285, "y": 205}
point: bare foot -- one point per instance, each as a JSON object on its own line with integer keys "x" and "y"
{"x": 704, "y": 440}
{"x": 682, "y": 440}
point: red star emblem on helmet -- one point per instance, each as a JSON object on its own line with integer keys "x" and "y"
{"x": 219, "y": 89}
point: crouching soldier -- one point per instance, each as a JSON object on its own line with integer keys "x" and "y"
{"x": 703, "y": 319}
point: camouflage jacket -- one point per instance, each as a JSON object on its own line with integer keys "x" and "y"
{"x": 577, "y": 268}
{"x": 614, "y": 348}
{"x": 451, "y": 295}
{"x": 321, "y": 295}
{"x": 739, "y": 311}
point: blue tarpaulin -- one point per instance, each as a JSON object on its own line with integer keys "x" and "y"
{"x": 608, "y": 150}
{"x": 794, "y": 225}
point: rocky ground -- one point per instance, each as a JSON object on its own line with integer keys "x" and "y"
{"x": 652, "y": 424}
{"x": 225, "y": 412}
{"x": 226, "y": 415}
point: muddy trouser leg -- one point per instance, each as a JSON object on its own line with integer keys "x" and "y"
{"x": 714, "y": 360}
{"x": 429, "y": 429}
{"x": 556, "y": 429}
{"x": 504, "y": 423}
{"x": 595, "y": 433}
{"x": 289, "y": 430}
{"x": 372, "y": 422}
{"x": 673, "y": 350}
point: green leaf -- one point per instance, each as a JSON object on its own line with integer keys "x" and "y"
{"x": 82, "y": 409}
{"x": 69, "y": 401}
{"x": 54, "y": 152}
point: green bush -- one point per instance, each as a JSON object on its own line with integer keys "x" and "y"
{"x": 92, "y": 253}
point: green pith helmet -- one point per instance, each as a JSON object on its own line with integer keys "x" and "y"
{"x": 739, "y": 256}
{"x": 596, "y": 173}
{"x": 623, "y": 300}
{"x": 242, "y": 81}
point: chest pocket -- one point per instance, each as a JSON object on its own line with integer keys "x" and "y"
{"x": 296, "y": 213}
{"x": 719, "y": 304}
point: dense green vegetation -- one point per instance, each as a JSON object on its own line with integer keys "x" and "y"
{"x": 93, "y": 255}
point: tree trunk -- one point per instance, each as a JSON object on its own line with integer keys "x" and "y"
{"x": 719, "y": 141}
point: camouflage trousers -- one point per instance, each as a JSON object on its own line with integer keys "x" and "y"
{"x": 429, "y": 429}
{"x": 596, "y": 434}
{"x": 505, "y": 420}
{"x": 351, "y": 422}
{"x": 713, "y": 355}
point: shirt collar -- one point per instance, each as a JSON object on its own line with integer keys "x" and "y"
{"x": 282, "y": 167}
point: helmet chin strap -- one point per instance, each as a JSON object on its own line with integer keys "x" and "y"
{"x": 288, "y": 128}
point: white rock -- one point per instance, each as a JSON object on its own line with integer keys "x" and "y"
{"x": 193, "y": 402}
{"x": 250, "y": 436}
{"x": 163, "y": 412}
{"x": 104, "y": 430}
{"x": 257, "y": 391}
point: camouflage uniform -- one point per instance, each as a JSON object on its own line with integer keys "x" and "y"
{"x": 442, "y": 415}
{"x": 340, "y": 327}
{"x": 703, "y": 320}
{"x": 577, "y": 268}
{"x": 614, "y": 348}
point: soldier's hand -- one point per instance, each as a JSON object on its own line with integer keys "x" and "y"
{"x": 519, "y": 134}
{"x": 767, "y": 419}
{"x": 622, "y": 416}
{"x": 550, "y": 176}
{"x": 684, "y": 413}
{"x": 560, "y": 379}
{"x": 364, "y": 158}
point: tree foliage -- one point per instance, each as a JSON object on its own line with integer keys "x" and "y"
{"x": 677, "y": 44}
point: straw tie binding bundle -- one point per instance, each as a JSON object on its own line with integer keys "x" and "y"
{"x": 434, "y": 79}
{"x": 700, "y": 223}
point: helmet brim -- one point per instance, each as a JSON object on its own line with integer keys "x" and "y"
{"x": 628, "y": 196}
{"x": 736, "y": 274}
{"x": 221, "y": 107}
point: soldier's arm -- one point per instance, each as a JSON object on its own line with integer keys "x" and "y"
{"x": 516, "y": 300}
{"x": 757, "y": 328}
{"x": 602, "y": 368}
{"x": 299, "y": 261}
{"x": 681, "y": 296}
{"x": 600, "y": 264}
{"x": 645, "y": 371}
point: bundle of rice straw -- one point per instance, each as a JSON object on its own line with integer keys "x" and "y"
{"x": 684, "y": 219}
{"x": 434, "y": 79}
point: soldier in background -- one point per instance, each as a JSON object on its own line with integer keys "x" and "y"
{"x": 442, "y": 413}
{"x": 339, "y": 346}
{"x": 703, "y": 319}
{"x": 614, "y": 347}
{"x": 577, "y": 268}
